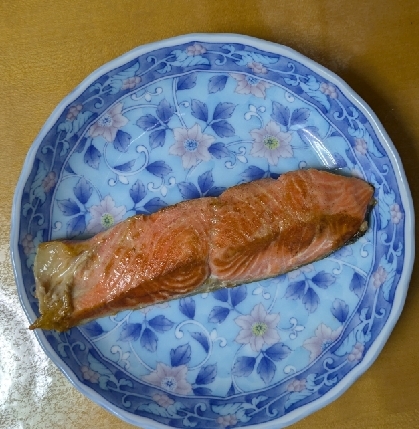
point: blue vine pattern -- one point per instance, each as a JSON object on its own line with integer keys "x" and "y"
{"x": 188, "y": 122}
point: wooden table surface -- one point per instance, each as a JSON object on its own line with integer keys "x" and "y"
{"x": 48, "y": 47}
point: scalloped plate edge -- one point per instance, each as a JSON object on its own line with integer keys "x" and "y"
{"x": 401, "y": 291}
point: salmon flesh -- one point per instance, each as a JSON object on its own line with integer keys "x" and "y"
{"x": 250, "y": 232}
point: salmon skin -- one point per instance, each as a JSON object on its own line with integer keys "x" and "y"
{"x": 250, "y": 232}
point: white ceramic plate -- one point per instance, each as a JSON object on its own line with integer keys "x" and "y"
{"x": 188, "y": 117}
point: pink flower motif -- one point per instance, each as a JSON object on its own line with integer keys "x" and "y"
{"x": 271, "y": 143}
{"x": 89, "y": 374}
{"x": 27, "y": 244}
{"x": 356, "y": 353}
{"x": 258, "y": 328}
{"x": 228, "y": 420}
{"x": 105, "y": 215}
{"x": 109, "y": 123}
{"x": 192, "y": 145}
{"x": 73, "y": 111}
{"x": 170, "y": 379}
{"x": 49, "y": 182}
{"x": 379, "y": 277}
{"x": 247, "y": 84}
{"x": 305, "y": 269}
{"x": 163, "y": 400}
{"x": 323, "y": 339}
{"x": 257, "y": 67}
{"x": 131, "y": 82}
{"x": 328, "y": 89}
{"x": 195, "y": 49}
{"x": 395, "y": 213}
{"x": 297, "y": 385}
{"x": 361, "y": 146}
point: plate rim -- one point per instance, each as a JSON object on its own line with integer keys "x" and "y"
{"x": 405, "y": 195}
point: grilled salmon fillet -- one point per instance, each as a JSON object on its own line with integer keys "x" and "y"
{"x": 251, "y": 232}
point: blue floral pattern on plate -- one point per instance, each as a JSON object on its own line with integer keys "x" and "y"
{"x": 188, "y": 118}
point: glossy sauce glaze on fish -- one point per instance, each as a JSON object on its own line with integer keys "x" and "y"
{"x": 251, "y": 232}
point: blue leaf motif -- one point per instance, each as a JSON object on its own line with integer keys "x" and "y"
{"x": 201, "y": 391}
{"x": 340, "y": 161}
{"x": 310, "y": 136}
{"x": 170, "y": 411}
{"x": 154, "y": 204}
{"x": 323, "y": 279}
{"x": 130, "y": 332}
{"x": 231, "y": 391}
{"x": 311, "y": 300}
{"x": 74, "y": 126}
{"x": 278, "y": 351}
{"x": 299, "y": 116}
{"x": 221, "y": 294}
{"x": 280, "y": 114}
{"x": 205, "y": 181}
{"x": 126, "y": 166}
{"x": 358, "y": 131}
{"x": 147, "y": 122}
{"x": 149, "y": 340}
{"x": 223, "y": 128}
{"x": 217, "y": 83}
{"x": 384, "y": 201}
{"x": 215, "y": 191}
{"x": 137, "y": 192}
{"x": 81, "y": 144}
{"x": 372, "y": 147}
{"x": 295, "y": 290}
{"x": 218, "y": 150}
{"x": 295, "y": 397}
{"x": 83, "y": 190}
{"x": 92, "y": 157}
{"x": 357, "y": 284}
{"x": 93, "y": 329}
{"x": 165, "y": 111}
{"x": 266, "y": 369}
{"x": 223, "y": 111}
{"x": 187, "y": 81}
{"x": 76, "y": 226}
{"x": 312, "y": 89}
{"x": 159, "y": 168}
{"x": 206, "y": 374}
{"x": 188, "y": 190}
{"x": 199, "y": 110}
{"x": 218, "y": 314}
{"x": 185, "y": 60}
{"x": 347, "y": 344}
{"x": 247, "y": 57}
{"x": 157, "y": 138}
{"x": 122, "y": 141}
{"x": 161, "y": 323}
{"x": 202, "y": 339}
{"x": 117, "y": 79}
{"x": 68, "y": 207}
{"x": 291, "y": 81}
{"x": 98, "y": 367}
{"x": 181, "y": 355}
{"x": 238, "y": 294}
{"x": 243, "y": 366}
{"x": 187, "y": 307}
{"x": 340, "y": 310}
{"x": 253, "y": 173}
